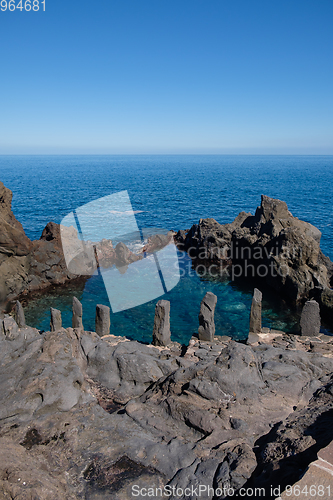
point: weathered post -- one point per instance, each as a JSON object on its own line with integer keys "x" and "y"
{"x": 310, "y": 319}
{"x": 161, "y": 332}
{"x": 77, "y": 314}
{"x": 102, "y": 321}
{"x": 56, "y": 321}
{"x": 19, "y": 315}
{"x": 255, "y": 315}
{"x": 206, "y": 317}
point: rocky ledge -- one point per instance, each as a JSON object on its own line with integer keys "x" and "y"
{"x": 270, "y": 246}
{"x": 84, "y": 416}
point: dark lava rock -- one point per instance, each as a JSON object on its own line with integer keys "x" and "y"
{"x": 86, "y": 417}
{"x": 271, "y": 245}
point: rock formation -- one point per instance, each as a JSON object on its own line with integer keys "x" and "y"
{"x": 25, "y": 265}
{"x": 15, "y": 249}
{"x": 124, "y": 256}
{"x": 310, "y": 319}
{"x": 102, "y": 322}
{"x": 161, "y": 332}
{"x": 255, "y": 314}
{"x": 271, "y": 245}
{"x": 206, "y": 329}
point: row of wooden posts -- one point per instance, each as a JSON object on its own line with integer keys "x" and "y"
{"x": 309, "y": 324}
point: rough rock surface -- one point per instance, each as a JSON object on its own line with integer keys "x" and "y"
{"x": 271, "y": 245}
{"x": 206, "y": 329}
{"x": 86, "y": 417}
{"x": 15, "y": 248}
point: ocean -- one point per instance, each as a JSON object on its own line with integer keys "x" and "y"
{"x": 170, "y": 192}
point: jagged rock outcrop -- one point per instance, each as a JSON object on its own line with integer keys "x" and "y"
{"x": 27, "y": 265}
{"x": 15, "y": 249}
{"x": 271, "y": 245}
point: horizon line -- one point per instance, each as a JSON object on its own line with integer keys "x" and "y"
{"x": 166, "y": 154}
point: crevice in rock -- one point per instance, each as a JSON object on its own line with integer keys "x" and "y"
{"x": 283, "y": 459}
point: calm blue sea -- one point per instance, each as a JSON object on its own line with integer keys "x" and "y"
{"x": 173, "y": 192}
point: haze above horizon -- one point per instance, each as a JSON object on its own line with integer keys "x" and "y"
{"x": 176, "y": 77}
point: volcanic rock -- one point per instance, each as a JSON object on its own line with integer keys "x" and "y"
{"x": 271, "y": 245}
{"x": 86, "y": 417}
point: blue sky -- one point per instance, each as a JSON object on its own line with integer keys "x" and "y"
{"x": 176, "y": 76}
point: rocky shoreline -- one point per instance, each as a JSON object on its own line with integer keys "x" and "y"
{"x": 91, "y": 416}
{"x": 272, "y": 247}
{"x": 84, "y": 416}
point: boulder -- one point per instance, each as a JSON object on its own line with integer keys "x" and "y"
{"x": 255, "y": 315}
{"x": 102, "y": 322}
{"x": 310, "y": 319}
{"x": 161, "y": 332}
{"x": 206, "y": 317}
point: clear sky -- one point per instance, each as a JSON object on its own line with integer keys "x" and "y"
{"x": 167, "y": 76}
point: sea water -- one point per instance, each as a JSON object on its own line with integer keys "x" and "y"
{"x": 170, "y": 192}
